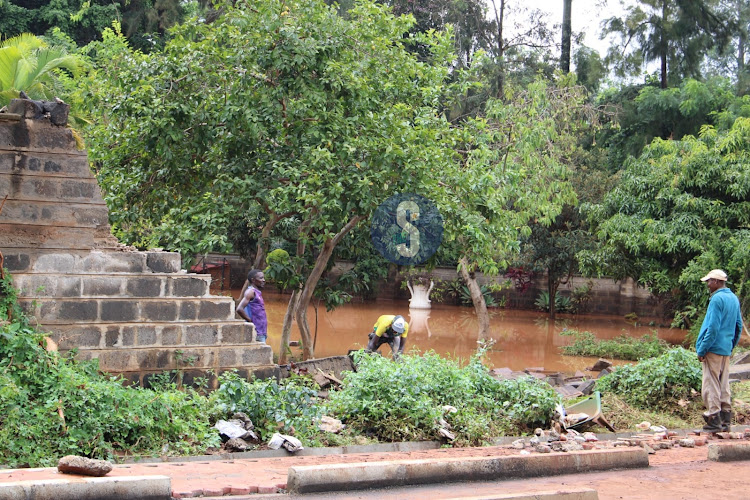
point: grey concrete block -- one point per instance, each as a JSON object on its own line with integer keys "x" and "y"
{"x": 112, "y": 337}
{"x": 103, "y": 286}
{"x": 163, "y": 262}
{"x": 334, "y": 477}
{"x": 128, "y": 336}
{"x": 171, "y": 335}
{"x": 228, "y": 357}
{"x": 88, "y": 336}
{"x": 237, "y": 333}
{"x": 188, "y": 311}
{"x": 54, "y": 263}
{"x": 145, "y": 286}
{"x": 189, "y": 287}
{"x": 728, "y": 452}
{"x": 16, "y": 262}
{"x": 73, "y": 310}
{"x": 216, "y": 309}
{"x": 206, "y": 334}
{"x": 259, "y": 354}
{"x": 119, "y": 310}
{"x": 146, "y": 336}
{"x": 93, "y": 488}
{"x": 158, "y": 310}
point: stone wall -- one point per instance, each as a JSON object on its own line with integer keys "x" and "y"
{"x": 137, "y": 312}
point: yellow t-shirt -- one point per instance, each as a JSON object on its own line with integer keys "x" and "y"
{"x": 383, "y": 325}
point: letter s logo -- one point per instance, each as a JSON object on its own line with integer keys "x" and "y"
{"x": 401, "y": 219}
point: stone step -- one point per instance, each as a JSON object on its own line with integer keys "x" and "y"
{"x": 124, "y": 285}
{"x": 122, "y": 260}
{"x": 124, "y": 336}
{"x": 17, "y": 239}
{"x": 48, "y": 189}
{"x": 51, "y": 213}
{"x": 57, "y": 311}
{"x": 197, "y": 358}
{"x": 44, "y": 165}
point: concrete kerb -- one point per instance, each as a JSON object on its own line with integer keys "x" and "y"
{"x": 571, "y": 494}
{"x": 90, "y": 488}
{"x": 334, "y": 477}
{"x": 728, "y": 452}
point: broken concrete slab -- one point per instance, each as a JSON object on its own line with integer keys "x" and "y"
{"x": 728, "y": 452}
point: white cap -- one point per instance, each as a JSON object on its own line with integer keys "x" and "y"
{"x": 716, "y": 274}
{"x": 398, "y": 324}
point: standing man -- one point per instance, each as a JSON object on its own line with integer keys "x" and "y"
{"x": 391, "y": 330}
{"x": 719, "y": 334}
{"x": 252, "y": 308}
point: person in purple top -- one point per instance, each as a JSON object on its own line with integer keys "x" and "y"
{"x": 252, "y": 308}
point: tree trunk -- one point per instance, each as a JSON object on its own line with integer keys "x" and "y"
{"x": 663, "y": 44}
{"x": 480, "y": 306}
{"x": 312, "y": 282}
{"x": 742, "y": 15}
{"x": 552, "y": 285}
{"x": 286, "y": 329}
{"x": 499, "y": 18}
{"x": 566, "y": 35}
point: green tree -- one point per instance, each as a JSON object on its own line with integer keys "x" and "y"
{"x": 677, "y": 33}
{"x": 28, "y": 64}
{"x": 682, "y": 207}
{"x": 286, "y": 106}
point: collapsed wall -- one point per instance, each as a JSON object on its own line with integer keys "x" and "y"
{"x": 137, "y": 312}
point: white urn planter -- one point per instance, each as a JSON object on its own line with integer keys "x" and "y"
{"x": 420, "y": 295}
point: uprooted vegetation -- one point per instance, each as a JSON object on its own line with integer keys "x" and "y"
{"x": 622, "y": 347}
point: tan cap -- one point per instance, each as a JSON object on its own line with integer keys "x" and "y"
{"x": 716, "y": 274}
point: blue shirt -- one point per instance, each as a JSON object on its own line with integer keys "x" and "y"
{"x": 722, "y": 325}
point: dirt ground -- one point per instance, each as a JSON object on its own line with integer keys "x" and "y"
{"x": 678, "y": 473}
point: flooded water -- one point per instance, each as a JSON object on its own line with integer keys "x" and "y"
{"x": 523, "y": 338}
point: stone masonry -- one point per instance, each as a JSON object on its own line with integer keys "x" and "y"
{"x": 137, "y": 312}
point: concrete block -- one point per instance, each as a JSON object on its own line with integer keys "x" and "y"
{"x": 146, "y": 336}
{"x": 90, "y": 488}
{"x": 334, "y": 477}
{"x": 163, "y": 262}
{"x": 237, "y": 333}
{"x": 103, "y": 286}
{"x": 113, "y": 262}
{"x": 84, "y": 336}
{"x": 728, "y": 452}
{"x": 740, "y": 371}
{"x": 158, "y": 310}
{"x": 206, "y": 334}
{"x": 170, "y": 335}
{"x": 259, "y": 354}
{"x": 119, "y": 310}
{"x": 54, "y": 263}
{"x": 15, "y": 262}
{"x": 145, "y": 287}
{"x": 70, "y": 310}
{"x": 189, "y": 287}
{"x": 216, "y": 309}
{"x": 188, "y": 311}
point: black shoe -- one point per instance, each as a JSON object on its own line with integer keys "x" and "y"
{"x": 726, "y": 420}
{"x": 713, "y": 423}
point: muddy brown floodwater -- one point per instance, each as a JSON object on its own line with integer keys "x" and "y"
{"x": 524, "y": 339}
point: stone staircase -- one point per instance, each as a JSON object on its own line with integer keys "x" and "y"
{"x": 137, "y": 312}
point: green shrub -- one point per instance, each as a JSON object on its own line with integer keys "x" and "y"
{"x": 405, "y": 400}
{"x": 656, "y": 383}
{"x": 272, "y": 406}
{"x": 52, "y": 405}
{"x": 622, "y": 347}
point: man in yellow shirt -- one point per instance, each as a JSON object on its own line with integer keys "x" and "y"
{"x": 391, "y": 330}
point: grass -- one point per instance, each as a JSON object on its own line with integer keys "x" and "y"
{"x": 622, "y": 347}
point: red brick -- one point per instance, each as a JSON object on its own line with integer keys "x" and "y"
{"x": 266, "y": 489}
{"x": 238, "y": 490}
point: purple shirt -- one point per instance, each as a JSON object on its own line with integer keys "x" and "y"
{"x": 256, "y": 311}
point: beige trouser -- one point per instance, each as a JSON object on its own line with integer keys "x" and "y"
{"x": 715, "y": 388}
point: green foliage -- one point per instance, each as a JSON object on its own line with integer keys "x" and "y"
{"x": 681, "y": 209}
{"x": 28, "y": 63}
{"x": 405, "y": 400}
{"x": 562, "y": 302}
{"x": 656, "y": 383}
{"x": 286, "y": 406}
{"x": 52, "y": 405}
{"x": 622, "y": 347}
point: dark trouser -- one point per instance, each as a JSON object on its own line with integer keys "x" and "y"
{"x": 376, "y": 342}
